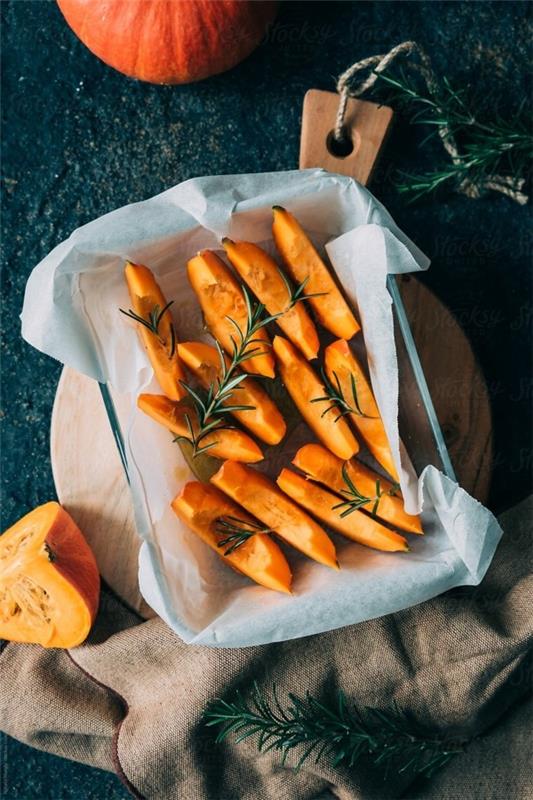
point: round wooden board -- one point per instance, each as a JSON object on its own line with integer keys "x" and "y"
{"x": 90, "y": 479}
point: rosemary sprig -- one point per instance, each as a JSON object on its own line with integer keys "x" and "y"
{"x": 211, "y": 409}
{"x": 356, "y": 500}
{"x": 335, "y": 731}
{"x": 335, "y": 396}
{"x": 486, "y": 148}
{"x": 152, "y": 323}
{"x": 296, "y": 293}
{"x": 236, "y": 532}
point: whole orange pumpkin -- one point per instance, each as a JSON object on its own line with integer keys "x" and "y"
{"x": 169, "y": 41}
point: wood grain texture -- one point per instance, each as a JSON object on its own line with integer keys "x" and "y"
{"x": 91, "y": 483}
{"x": 367, "y": 124}
{"x": 456, "y": 384}
{"x": 90, "y": 480}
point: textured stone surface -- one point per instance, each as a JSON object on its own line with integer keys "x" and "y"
{"x": 80, "y": 140}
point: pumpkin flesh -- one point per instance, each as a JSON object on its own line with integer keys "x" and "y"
{"x": 49, "y": 581}
{"x": 261, "y": 274}
{"x": 226, "y": 443}
{"x": 264, "y": 420}
{"x": 304, "y": 386}
{"x": 322, "y": 466}
{"x": 145, "y": 296}
{"x": 262, "y": 498}
{"x": 341, "y": 364}
{"x": 304, "y": 263}
{"x": 200, "y": 506}
{"x": 221, "y": 298}
{"x": 357, "y": 526}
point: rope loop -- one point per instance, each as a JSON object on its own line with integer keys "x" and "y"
{"x": 506, "y": 184}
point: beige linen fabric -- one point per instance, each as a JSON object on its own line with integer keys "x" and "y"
{"x": 132, "y": 697}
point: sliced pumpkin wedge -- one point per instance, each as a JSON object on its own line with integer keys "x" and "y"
{"x": 343, "y": 368}
{"x": 223, "y": 443}
{"x": 304, "y": 263}
{"x": 357, "y": 526}
{"x": 222, "y": 300}
{"x": 262, "y": 498}
{"x": 148, "y": 303}
{"x": 262, "y": 275}
{"x": 49, "y": 581}
{"x": 201, "y": 507}
{"x": 322, "y": 466}
{"x": 305, "y": 387}
{"x": 263, "y": 419}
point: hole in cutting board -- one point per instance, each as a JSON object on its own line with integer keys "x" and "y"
{"x": 340, "y": 148}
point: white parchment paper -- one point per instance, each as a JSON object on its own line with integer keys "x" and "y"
{"x": 71, "y": 313}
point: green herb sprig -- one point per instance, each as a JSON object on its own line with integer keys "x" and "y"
{"x": 236, "y": 532}
{"x": 336, "y": 731}
{"x": 296, "y": 293}
{"x": 152, "y": 323}
{"x": 335, "y": 396}
{"x": 212, "y": 409}
{"x": 356, "y": 500}
{"x": 486, "y": 148}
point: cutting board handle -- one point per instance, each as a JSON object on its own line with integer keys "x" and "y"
{"x": 365, "y": 129}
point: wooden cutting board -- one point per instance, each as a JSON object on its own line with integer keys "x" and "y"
{"x": 90, "y": 479}
{"x": 88, "y": 473}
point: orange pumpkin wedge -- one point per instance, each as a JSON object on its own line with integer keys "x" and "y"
{"x": 304, "y": 263}
{"x": 357, "y": 526}
{"x": 341, "y": 365}
{"x": 222, "y": 300}
{"x": 262, "y": 275}
{"x": 223, "y": 443}
{"x": 262, "y": 498}
{"x": 49, "y": 581}
{"x": 304, "y": 386}
{"x": 322, "y": 466}
{"x": 264, "y": 420}
{"x": 147, "y": 299}
{"x": 200, "y": 507}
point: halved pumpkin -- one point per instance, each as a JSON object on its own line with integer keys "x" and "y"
{"x": 49, "y": 581}
{"x": 304, "y": 386}
{"x": 304, "y": 263}
{"x": 147, "y": 299}
{"x": 321, "y": 465}
{"x": 357, "y": 526}
{"x": 200, "y": 506}
{"x": 262, "y": 275}
{"x": 262, "y": 498}
{"x": 342, "y": 365}
{"x": 222, "y": 299}
{"x": 226, "y": 442}
{"x": 264, "y": 420}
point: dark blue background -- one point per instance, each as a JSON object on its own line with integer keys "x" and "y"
{"x": 80, "y": 140}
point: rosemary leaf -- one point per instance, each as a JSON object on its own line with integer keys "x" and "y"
{"x": 296, "y": 294}
{"x": 356, "y": 500}
{"x": 152, "y": 323}
{"x": 487, "y": 147}
{"x": 335, "y": 731}
{"x": 236, "y": 532}
{"x": 334, "y": 394}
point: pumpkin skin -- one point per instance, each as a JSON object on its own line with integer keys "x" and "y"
{"x": 169, "y": 41}
{"x": 49, "y": 581}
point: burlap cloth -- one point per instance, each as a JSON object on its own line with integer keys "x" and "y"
{"x": 131, "y": 699}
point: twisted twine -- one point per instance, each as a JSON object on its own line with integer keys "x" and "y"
{"x": 506, "y": 184}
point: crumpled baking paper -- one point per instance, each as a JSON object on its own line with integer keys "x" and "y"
{"x": 71, "y": 313}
